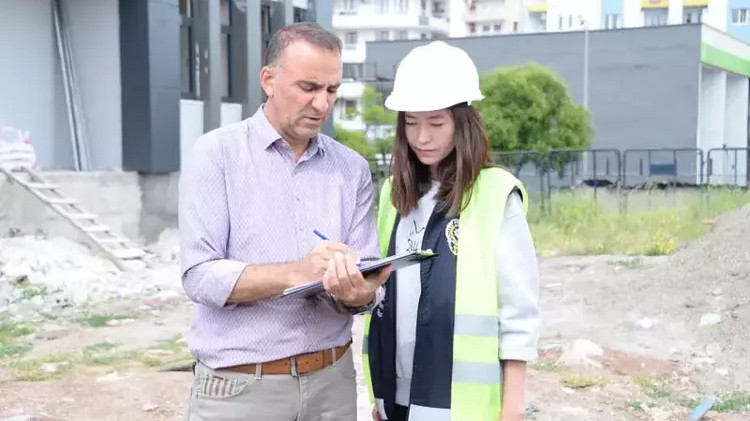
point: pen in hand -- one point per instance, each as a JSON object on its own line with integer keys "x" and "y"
{"x": 323, "y": 237}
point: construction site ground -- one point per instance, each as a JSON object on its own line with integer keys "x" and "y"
{"x": 624, "y": 338}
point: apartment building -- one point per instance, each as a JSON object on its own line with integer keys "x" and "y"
{"x": 730, "y": 16}
{"x": 490, "y": 17}
{"x": 360, "y": 21}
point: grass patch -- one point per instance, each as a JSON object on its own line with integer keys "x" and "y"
{"x": 577, "y": 381}
{"x": 9, "y": 334}
{"x": 657, "y": 390}
{"x": 98, "y": 356}
{"x": 545, "y": 366}
{"x": 732, "y": 402}
{"x": 100, "y": 320}
{"x": 653, "y": 224}
{"x": 629, "y": 264}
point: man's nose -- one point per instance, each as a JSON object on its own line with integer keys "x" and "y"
{"x": 320, "y": 102}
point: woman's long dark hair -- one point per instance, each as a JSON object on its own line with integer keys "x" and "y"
{"x": 456, "y": 173}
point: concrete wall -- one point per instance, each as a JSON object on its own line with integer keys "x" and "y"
{"x": 95, "y": 37}
{"x": 27, "y": 74}
{"x": 31, "y": 85}
{"x": 139, "y": 206}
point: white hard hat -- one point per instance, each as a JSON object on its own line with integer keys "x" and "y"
{"x": 433, "y": 77}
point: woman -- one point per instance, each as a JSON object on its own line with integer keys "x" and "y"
{"x": 451, "y": 339}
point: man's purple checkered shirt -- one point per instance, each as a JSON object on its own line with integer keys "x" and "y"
{"x": 244, "y": 200}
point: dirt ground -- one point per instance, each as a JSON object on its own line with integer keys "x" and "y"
{"x": 624, "y": 338}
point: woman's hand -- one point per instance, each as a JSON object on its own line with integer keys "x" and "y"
{"x": 375, "y": 413}
{"x": 514, "y": 403}
{"x": 513, "y": 414}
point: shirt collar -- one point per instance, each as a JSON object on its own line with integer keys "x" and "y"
{"x": 268, "y": 135}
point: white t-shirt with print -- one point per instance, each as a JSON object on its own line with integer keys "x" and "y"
{"x": 519, "y": 317}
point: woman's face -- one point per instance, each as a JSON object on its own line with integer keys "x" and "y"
{"x": 430, "y": 136}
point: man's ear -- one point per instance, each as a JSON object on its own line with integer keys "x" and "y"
{"x": 267, "y": 80}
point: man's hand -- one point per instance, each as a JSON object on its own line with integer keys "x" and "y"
{"x": 345, "y": 282}
{"x": 315, "y": 264}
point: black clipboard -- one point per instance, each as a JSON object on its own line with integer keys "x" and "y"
{"x": 367, "y": 268}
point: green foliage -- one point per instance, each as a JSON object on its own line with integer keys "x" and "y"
{"x": 529, "y": 108}
{"x": 578, "y": 224}
{"x": 374, "y": 113}
{"x": 355, "y": 140}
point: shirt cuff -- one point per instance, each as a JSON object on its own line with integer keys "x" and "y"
{"x": 226, "y": 273}
{"x": 377, "y": 298}
{"x": 518, "y": 352}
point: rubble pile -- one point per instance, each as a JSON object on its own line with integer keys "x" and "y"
{"x": 48, "y": 275}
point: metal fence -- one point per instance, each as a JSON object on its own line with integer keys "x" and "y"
{"x": 618, "y": 170}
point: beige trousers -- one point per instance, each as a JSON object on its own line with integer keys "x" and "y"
{"x": 329, "y": 394}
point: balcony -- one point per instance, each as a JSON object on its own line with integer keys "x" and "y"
{"x": 344, "y": 20}
{"x": 536, "y": 6}
{"x": 654, "y": 4}
{"x": 485, "y": 12}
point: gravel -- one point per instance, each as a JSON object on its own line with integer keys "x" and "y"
{"x": 48, "y": 275}
{"x": 700, "y": 299}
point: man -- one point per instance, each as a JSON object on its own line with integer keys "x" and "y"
{"x": 251, "y": 198}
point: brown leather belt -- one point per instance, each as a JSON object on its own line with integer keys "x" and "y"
{"x": 304, "y": 363}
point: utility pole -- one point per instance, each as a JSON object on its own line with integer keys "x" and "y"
{"x": 585, "y": 63}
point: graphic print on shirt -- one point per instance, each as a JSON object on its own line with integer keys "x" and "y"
{"x": 451, "y": 235}
{"x": 415, "y": 239}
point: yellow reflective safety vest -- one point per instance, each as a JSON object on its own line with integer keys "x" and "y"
{"x": 457, "y": 375}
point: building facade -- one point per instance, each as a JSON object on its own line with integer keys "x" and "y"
{"x": 674, "y": 87}
{"x": 130, "y": 84}
{"x": 730, "y": 16}
{"x": 357, "y": 22}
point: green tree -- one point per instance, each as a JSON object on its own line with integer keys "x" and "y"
{"x": 374, "y": 113}
{"x": 528, "y": 108}
{"x": 356, "y": 140}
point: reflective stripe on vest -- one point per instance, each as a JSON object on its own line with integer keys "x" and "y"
{"x": 476, "y": 388}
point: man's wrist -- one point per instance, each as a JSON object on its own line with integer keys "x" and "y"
{"x": 364, "y": 301}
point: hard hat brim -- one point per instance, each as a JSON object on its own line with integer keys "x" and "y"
{"x": 395, "y": 103}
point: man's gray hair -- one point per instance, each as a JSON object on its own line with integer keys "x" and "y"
{"x": 310, "y": 32}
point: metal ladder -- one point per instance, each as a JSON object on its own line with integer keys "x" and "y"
{"x": 118, "y": 248}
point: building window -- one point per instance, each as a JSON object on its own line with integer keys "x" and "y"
{"x": 402, "y": 6}
{"x": 347, "y": 7}
{"x": 226, "y": 49}
{"x": 402, "y": 35}
{"x": 515, "y": 26}
{"x": 472, "y": 28}
{"x": 485, "y": 29}
{"x": 381, "y": 6}
{"x": 383, "y": 36}
{"x": 352, "y": 71}
{"x": 613, "y": 21}
{"x": 189, "y": 71}
{"x": 350, "y": 40}
{"x": 497, "y": 27}
{"x": 423, "y": 36}
{"x": 739, "y": 17}
{"x": 655, "y": 18}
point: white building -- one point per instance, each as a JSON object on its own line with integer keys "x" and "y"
{"x": 487, "y": 17}
{"x": 730, "y": 16}
{"x": 360, "y": 21}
